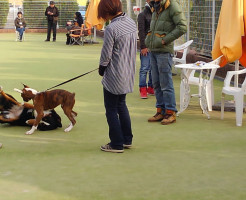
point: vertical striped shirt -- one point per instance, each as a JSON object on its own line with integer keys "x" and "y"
{"x": 119, "y": 55}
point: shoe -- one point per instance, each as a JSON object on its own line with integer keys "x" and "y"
{"x": 108, "y": 148}
{"x": 1, "y": 145}
{"x": 156, "y": 118}
{"x": 169, "y": 119}
{"x": 47, "y": 40}
{"x": 127, "y": 146}
{"x": 54, "y": 40}
{"x": 150, "y": 91}
{"x": 143, "y": 92}
{"x": 174, "y": 74}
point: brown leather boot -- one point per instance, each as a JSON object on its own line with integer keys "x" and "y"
{"x": 157, "y": 117}
{"x": 169, "y": 117}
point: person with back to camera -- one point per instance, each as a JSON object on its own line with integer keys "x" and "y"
{"x": 52, "y": 14}
{"x": 144, "y": 19}
{"x": 20, "y": 25}
{"x": 117, "y": 66}
{"x": 167, "y": 24}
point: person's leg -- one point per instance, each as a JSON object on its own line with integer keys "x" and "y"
{"x": 144, "y": 68}
{"x": 150, "y": 88}
{"x": 68, "y": 39}
{"x": 49, "y": 30}
{"x": 21, "y": 30}
{"x": 143, "y": 75}
{"x": 115, "y": 133}
{"x": 156, "y": 80}
{"x": 125, "y": 120}
{"x": 54, "y": 30}
{"x": 164, "y": 62}
{"x": 158, "y": 93}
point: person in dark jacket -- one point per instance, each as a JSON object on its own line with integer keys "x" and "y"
{"x": 52, "y": 14}
{"x": 168, "y": 23}
{"x": 20, "y": 25}
{"x": 144, "y": 19}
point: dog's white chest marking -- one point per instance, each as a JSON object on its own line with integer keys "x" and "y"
{"x": 14, "y": 112}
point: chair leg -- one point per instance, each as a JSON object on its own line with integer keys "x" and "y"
{"x": 239, "y": 109}
{"x": 209, "y": 97}
{"x": 222, "y": 105}
{"x": 212, "y": 92}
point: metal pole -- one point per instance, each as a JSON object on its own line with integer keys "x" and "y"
{"x": 14, "y": 14}
{"x": 188, "y": 21}
{"x": 129, "y": 8}
{"x": 95, "y": 34}
{"x": 213, "y": 23}
{"x": 236, "y": 76}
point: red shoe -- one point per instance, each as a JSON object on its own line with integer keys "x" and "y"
{"x": 150, "y": 91}
{"x": 143, "y": 92}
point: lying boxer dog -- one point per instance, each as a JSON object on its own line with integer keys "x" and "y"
{"x": 14, "y": 113}
{"x": 43, "y": 101}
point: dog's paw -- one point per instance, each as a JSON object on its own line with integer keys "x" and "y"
{"x": 32, "y": 130}
{"x": 69, "y": 128}
{"x": 29, "y": 132}
{"x": 1, "y": 88}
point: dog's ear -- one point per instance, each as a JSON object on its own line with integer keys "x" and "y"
{"x": 17, "y": 90}
{"x": 25, "y": 86}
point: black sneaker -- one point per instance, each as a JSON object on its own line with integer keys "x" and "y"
{"x": 47, "y": 40}
{"x": 54, "y": 40}
{"x": 108, "y": 148}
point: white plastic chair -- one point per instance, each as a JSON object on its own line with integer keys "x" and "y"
{"x": 209, "y": 83}
{"x": 184, "y": 47}
{"x": 238, "y": 94}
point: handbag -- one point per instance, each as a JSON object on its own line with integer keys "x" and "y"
{"x": 55, "y": 19}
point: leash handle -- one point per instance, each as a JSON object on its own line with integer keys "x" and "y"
{"x": 71, "y": 79}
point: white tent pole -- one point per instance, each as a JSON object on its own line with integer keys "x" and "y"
{"x": 95, "y": 34}
{"x": 236, "y": 76}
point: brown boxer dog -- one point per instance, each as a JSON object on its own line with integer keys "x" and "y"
{"x": 49, "y": 100}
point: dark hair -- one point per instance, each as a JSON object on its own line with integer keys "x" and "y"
{"x": 19, "y": 13}
{"x": 79, "y": 18}
{"x": 52, "y": 3}
{"x": 108, "y": 8}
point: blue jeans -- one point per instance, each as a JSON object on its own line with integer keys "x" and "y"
{"x": 144, "y": 69}
{"x": 118, "y": 118}
{"x": 161, "y": 69}
{"x": 20, "y": 30}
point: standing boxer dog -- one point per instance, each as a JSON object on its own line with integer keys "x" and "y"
{"x": 49, "y": 100}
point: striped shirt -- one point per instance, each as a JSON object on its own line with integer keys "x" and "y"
{"x": 119, "y": 55}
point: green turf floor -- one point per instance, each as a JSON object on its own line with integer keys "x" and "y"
{"x": 193, "y": 159}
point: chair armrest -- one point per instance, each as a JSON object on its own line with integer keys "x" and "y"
{"x": 230, "y": 74}
{"x": 75, "y": 30}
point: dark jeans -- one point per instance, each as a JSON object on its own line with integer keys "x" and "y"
{"x": 20, "y": 30}
{"x": 51, "y": 25}
{"x": 119, "y": 122}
